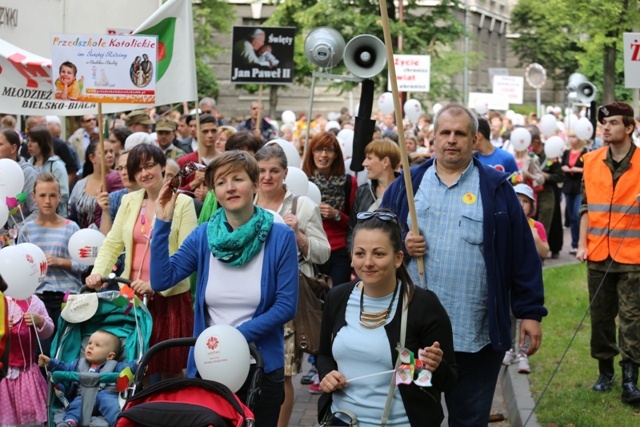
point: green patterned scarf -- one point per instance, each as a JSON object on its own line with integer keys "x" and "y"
{"x": 239, "y": 246}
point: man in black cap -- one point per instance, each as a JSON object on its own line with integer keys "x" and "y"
{"x": 610, "y": 243}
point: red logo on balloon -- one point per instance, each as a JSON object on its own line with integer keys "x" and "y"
{"x": 212, "y": 343}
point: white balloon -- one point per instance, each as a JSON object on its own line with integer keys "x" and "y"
{"x": 290, "y": 151}
{"x": 413, "y": 110}
{"x": 385, "y": 103}
{"x": 288, "y": 117}
{"x": 4, "y": 212}
{"x": 583, "y": 130}
{"x": 521, "y": 139}
{"x": 553, "y": 147}
{"x": 314, "y": 194}
{"x": 221, "y": 354}
{"x": 276, "y": 216}
{"x": 547, "y": 125}
{"x": 570, "y": 122}
{"x": 481, "y": 107}
{"x": 332, "y": 124}
{"x": 345, "y": 139}
{"x": 436, "y": 107}
{"x": 11, "y": 178}
{"x": 20, "y": 271}
{"x": 297, "y": 181}
{"x": 84, "y": 245}
{"x": 39, "y": 257}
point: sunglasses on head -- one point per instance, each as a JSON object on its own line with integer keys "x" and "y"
{"x": 384, "y": 216}
{"x": 186, "y": 171}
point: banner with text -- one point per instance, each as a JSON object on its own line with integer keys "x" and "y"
{"x": 489, "y": 100}
{"x": 107, "y": 69}
{"x": 413, "y": 73}
{"x": 509, "y": 87}
{"x": 631, "y": 46}
{"x": 262, "y": 55}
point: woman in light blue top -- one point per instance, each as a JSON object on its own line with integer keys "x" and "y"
{"x": 247, "y": 270}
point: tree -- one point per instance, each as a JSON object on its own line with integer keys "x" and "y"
{"x": 209, "y": 17}
{"x": 425, "y": 31}
{"x": 566, "y": 37}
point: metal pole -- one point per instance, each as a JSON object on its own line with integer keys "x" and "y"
{"x": 538, "y": 112}
{"x": 306, "y": 143}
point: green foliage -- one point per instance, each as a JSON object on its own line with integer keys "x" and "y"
{"x": 431, "y": 32}
{"x": 569, "y": 400}
{"x": 567, "y": 36}
{"x": 209, "y": 17}
{"x": 207, "y": 82}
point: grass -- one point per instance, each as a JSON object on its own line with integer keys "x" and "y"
{"x": 569, "y": 400}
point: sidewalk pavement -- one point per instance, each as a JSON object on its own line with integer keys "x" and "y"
{"x": 512, "y": 397}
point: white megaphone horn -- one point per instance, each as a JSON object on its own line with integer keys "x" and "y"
{"x": 324, "y": 47}
{"x": 365, "y": 56}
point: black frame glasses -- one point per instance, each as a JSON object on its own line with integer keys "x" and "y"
{"x": 384, "y": 216}
{"x": 186, "y": 171}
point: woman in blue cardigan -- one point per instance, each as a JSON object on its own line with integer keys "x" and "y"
{"x": 247, "y": 270}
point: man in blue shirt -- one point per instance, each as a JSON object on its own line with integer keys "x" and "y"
{"x": 479, "y": 255}
{"x": 489, "y": 155}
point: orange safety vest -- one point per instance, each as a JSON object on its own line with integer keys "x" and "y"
{"x": 614, "y": 215}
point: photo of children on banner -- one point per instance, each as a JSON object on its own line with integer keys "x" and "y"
{"x": 141, "y": 71}
{"x": 67, "y": 86}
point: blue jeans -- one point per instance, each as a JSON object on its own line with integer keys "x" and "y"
{"x": 469, "y": 404}
{"x": 267, "y": 407}
{"x": 573, "y": 207}
{"x": 106, "y": 402}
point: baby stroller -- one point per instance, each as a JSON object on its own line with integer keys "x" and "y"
{"x": 113, "y": 314}
{"x": 193, "y": 402}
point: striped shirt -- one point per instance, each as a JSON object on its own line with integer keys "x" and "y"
{"x": 451, "y": 219}
{"x": 55, "y": 242}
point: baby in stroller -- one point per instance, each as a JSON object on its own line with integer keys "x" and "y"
{"x": 99, "y": 356}
{"x": 99, "y": 317}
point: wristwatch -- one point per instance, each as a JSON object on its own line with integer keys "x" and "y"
{"x": 338, "y": 216}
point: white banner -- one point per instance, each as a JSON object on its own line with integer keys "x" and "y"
{"x": 26, "y": 80}
{"x": 106, "y": 69}
{"x": 509, "y": 87}
{"x": 413, "y": 73}
{"x": 631, "y": 47}
{"x": 489, "y": 100}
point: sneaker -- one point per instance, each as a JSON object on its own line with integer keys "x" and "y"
{"x": 523, "y": 364}
{"x": 68, "y": 423}
{"x": 315, "y": 387}
{"x": 509, "y": 357}
{"x": 308, "y": 377}
{"x": 573, "y": 251}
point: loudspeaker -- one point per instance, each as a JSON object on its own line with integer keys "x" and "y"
{"x": 365, "y": 56}
{"x": 324, "y": 47}
{"x": 580, "y": 89}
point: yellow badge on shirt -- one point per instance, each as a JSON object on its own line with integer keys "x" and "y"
{"x": 469, "y": 198}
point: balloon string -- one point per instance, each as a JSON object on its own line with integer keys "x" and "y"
{"x": 35, "y": 328}
{"x": 370, "y": 375}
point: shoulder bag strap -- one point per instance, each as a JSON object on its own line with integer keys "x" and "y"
{"x": 392, "y": 386}
{"x": 294, "y": 205}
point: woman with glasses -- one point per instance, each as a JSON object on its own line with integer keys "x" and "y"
{"x": 85, "y": 210}
{"x": 247, "y": 270}
{"x": 133, "y": 230}
{"x": 313, "y": 246}
{"x": 324, "y": 166}
{"x": 361, "y": 325}
{"x": 382, "y": 157}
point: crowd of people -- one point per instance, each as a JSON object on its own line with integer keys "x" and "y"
{"x": 225, "y": 244}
